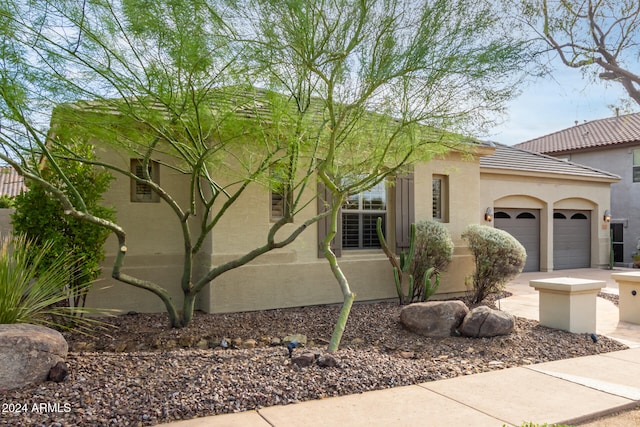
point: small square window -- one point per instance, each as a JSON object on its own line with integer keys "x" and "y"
{"x": 141, "y": 192}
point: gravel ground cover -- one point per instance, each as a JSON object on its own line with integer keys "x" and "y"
{"x": 140, "y": 372}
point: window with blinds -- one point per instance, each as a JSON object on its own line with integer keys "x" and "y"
{"x": 440, "y": 198}
{"x": 359, "y": 216}
{"x": 280, "y": 194}
{"x": 140, "y": 191}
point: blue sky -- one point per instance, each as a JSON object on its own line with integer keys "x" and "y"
{"x": 555, "y": 102}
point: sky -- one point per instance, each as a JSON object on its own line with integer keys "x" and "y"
{"x": 554, "y": 103}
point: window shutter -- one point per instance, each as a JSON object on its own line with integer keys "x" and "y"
{"x": 405, "y": 211}
{"x": 324, "y": 204}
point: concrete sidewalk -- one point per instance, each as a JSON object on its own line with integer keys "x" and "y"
{"x": 564, "y": 391}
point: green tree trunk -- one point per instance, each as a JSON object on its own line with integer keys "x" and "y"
{"x": 348, "y": 296}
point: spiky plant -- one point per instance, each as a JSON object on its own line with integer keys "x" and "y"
{"x": 32, "y": 295}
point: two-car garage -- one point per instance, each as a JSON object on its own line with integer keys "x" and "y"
{"x": 571, "y": 235}
{"x": 555, "y": 208}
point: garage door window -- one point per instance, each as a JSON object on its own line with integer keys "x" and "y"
{"x": 526, "y": 215}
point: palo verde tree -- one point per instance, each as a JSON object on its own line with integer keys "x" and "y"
{"x": 376, "y": 81}
{"x": 599, "y": 37}
{"x": 158, "y": 82}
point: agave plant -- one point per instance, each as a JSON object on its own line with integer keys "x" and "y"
{"x": 28, "y": 295}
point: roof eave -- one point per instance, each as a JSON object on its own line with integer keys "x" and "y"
{"x": 549, "y": 175}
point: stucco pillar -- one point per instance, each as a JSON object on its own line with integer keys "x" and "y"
{"x": 568, "y": 303}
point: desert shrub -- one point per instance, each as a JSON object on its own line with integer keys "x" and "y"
{"x": 30, "y": 294}
{"x": 6, "y": 202}
{"x": 39, "y": 216}
{"x": 433, "y": 251}
{"x": 498, "y": 257}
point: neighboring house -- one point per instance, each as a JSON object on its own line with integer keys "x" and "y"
{"x": 611, "y": 144}
{"x": 11, "y": 184}
{"x": 524, "y": 191}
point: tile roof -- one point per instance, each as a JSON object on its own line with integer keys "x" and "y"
{"x": 512, "y": 158}
{"x": 589, "y": 135}
{"x": 11, "y": 184}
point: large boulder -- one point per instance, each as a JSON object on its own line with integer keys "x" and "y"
{"x": 27, "y": 354}
{"x": 483, "y": 321}
{"x": 434, "y": 318}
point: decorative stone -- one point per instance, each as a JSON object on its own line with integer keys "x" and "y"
{"x": 304, "y": 360}
{"x": 275, "y": 341}
{"x": 485, "y": 322}
{"x": 434, "y": 318}
{"x": 327, "y": 361}
{"x": 250, "y": 343}
{"x": 27, "y": 354}
{"x": 302, "y": 339}
{"x": 59, "y": 372}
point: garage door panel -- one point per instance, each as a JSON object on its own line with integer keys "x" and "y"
{"x": 524, "y": 225}
{"x": 571, "y": 239}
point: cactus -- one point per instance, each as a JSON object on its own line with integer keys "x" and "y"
{"x": 401, "y": 267}
{"x": 428, "y": 287}
{"x": 416, "y": 292}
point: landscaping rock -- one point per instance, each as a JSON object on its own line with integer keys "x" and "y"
{"x": 275, "y": 341}
{"x": 27, "y": 354}
{"x": 250, "y": 343}
{"x": 59, "y": 372}
{"x": 327, "y": 361}
{"x": 302, "y": 339}
{"x": 304, "y": 360}
{"x": 485, "y": 322}
{"x": 434, "y": 318}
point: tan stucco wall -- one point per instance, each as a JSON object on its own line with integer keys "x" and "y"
{"x": 504, "y": 190}
{"x": 5, "y": 222}
{"x": 292, "y": 276}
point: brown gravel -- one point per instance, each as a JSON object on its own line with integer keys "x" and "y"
{"x": 144, "y": 373}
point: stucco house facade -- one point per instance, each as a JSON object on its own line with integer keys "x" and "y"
{"x": 611, "y": 144}
{"x": 457, "y": 189}
{"x": 298, "y": 274}
{"x": 555, "y": 208}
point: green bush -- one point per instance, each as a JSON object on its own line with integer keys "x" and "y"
{"x": 6, "y": 202}
{"x": 433, "y": 251}
{"x": 498, "y": 257}
{"x": 39, "y": 216}
{"x": 30, "y": 294}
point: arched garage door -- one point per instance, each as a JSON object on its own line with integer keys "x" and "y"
{"x": 571, "y": 239}
{"x": 524, "y": 225}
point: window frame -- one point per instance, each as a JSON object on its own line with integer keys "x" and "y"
{"x": 635, "y": 170}
{"x": 280, "y": 193}
{"x": 361, "y": 211}
{"x": 141, "y": 192}
{"x": 440, "y": 199}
